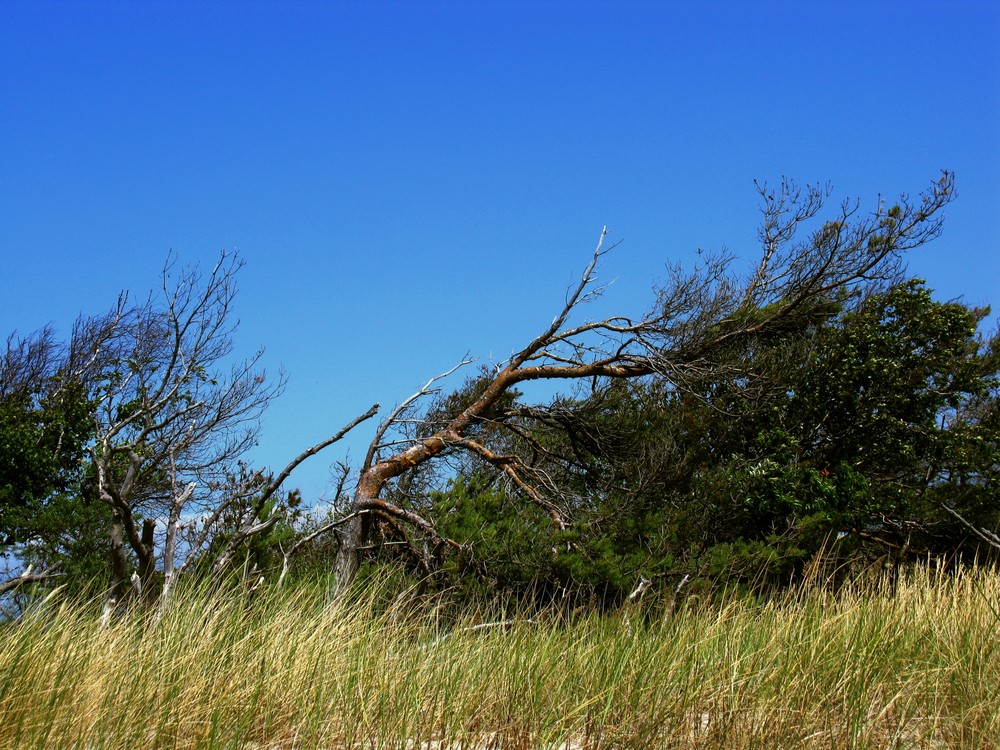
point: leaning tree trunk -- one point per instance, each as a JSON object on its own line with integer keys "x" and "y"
{"x": 355, "y": 534}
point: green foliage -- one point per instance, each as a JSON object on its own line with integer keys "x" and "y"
{"x": 838, "y": 441}
{"x": 42, "y": 440}
{"x": 48, "y": 515}
{"x": 864, "y": 432}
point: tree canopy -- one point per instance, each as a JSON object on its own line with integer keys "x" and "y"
{"x": 821, "y": 410}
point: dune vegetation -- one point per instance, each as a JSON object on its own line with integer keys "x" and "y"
{"x": 911, "y": 661}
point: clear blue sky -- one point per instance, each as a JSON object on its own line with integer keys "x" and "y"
{"x": 412, "y": 181}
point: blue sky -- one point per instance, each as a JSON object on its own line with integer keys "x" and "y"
{"x": 409, "y": 182}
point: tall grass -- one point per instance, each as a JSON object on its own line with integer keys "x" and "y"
{"x": 918, "y": 668}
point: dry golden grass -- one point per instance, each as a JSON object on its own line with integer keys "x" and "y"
{"x": 916, "y": 669}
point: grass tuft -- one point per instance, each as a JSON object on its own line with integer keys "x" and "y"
{"x": 917, "y": 668}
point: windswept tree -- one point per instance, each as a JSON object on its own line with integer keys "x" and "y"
{"x": 697, "y": 321}
{"x": 122, "y": 451}
{"x": 868, "y": 437}
{"x": 172, "y": 416}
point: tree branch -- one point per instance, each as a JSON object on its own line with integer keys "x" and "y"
{"x": 28, "y": 575}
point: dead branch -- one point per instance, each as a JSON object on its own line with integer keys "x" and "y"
{"x": 414, "y": 519}
{"x": 300, "y": 543}
{"x": 983, "y": 534}
{"x": 514, "y": 469}
{"x": 253, "y": 524}
{"x": 29, "y": 575}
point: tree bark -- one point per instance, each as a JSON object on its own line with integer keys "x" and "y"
{"x": 147, "y": 564}
{"x": 118, "y": 589}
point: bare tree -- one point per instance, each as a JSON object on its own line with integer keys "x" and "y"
{"x": 695, "y": 318}
{"x": 163, "y": 416}
{"x": 169, "y": 421}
